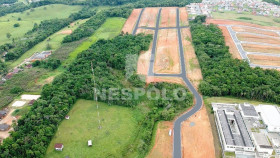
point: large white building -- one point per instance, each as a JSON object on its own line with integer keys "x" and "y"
{"x": 271, "y": 117}
{"x": 262, "y": 144}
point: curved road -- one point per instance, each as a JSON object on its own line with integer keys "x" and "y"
{"x": 198, "y": 104}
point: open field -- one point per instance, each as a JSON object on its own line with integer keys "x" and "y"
{"x": 131, "y": 21}
{"x": 145, "y": 31}
{"x": 163, "y": 147}
{"x": 54, "y": 41}
{"x": 191, "y": 61}
{"x": 29, "y": 18}
{"x": 119, "y": 126}
{"x": 257, "y": 31}
{"x": 255, "y": 38}
{"x": 167, "y": 53}
{"x": 168, "y": 17}
{"x": 149, "y": 17}
{"x": 263, "y": 49}
{"x": 197, "y": 138}
{"x": 264, "y": 60}
{"x": 144, "y": 62}
{"x": 229, "y": 42}
{"x": 259, "y": 20}
{"x": 184, "y": 21}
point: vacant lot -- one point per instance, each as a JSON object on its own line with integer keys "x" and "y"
{"x": 261, "y": 48}
{"x": 167, "y": 52}
{"x": 163, "y": 146}
{"x": 30, "y": 17}
{"x": 149, "y": 17}
{"x": 197, "y": 138}
{"x": 131, "y": 21}
{"x": 256, "y": 38}
{"x": 264, "y": 60}
{"x": 184, "y": 21}
{"x": 257, "y": 31}
{"x": 192, "y": 64}
{"x": 259, "y": 20}
{"x": 168, "y": 17}
{"x": 143, "y": 64}
{"x": 145, "y": 31}
{"x": 118, "y": 124}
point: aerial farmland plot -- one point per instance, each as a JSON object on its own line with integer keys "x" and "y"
{"x": 259, "y": 45}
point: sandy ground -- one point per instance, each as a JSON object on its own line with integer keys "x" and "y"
{"x": 192, "y": 64}
{"x": 145, "y": 31}
{"x": 149, "y": 17}
{"x": 264, "y": 60}
{"x": 262, "y": 48}
{"x": 183, "y": 17}
{"x": 229, "y": 42}
{"x": 144, "y": 61}
{"x": 163, "y": 147}
{"x": 8, "y": 120}
{"x": 167, "y": 53}
{"x": 66, "y": 32}
{"x": 168, "y": 17}
{"x": 197, "y": 138}
{"x": 131, "y": 21}
{"x": 177, "y": 80}
{"x": 232, "y": 22}
{"x": 244, "y": 29}
{"x": 254, "y": 38}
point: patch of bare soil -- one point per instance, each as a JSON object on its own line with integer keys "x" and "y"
{"x": 131, "y": 21}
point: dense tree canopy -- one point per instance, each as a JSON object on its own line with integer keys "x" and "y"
{"x": 225, "y": 76}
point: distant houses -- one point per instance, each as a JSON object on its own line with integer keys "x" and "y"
{"x": 58, "y": 146}
{"x": 40, "y": 56}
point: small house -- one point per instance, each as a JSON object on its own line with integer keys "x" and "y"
{"x": 31, "y": 102}
{"x": 3, "y": 113}
{"x": 4, "y": 127}
{"x": 90, "y": 143}
{"x": 58, "y": 146}
{"x": 67, "y": 117}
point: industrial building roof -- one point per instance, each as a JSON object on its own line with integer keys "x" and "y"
{"x": 234, "y": 129}
{"x": 270, "y": 115}
{"x": 261, "y": 140}
{"x": 248, "y": 110}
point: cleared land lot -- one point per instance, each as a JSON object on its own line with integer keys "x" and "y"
{"x": 167, "y": 52}
{"x": 229, "y": 42}
{"x": 145, "y": 31}
{"x": 263, "y": 49}
{"x": 149, "y": 17}
{"x": 29, "y": 18}
{"x": 131, "y": 21}
{"x": 256, "y": 38}
{"x": 264, "y": 60}
{"x": 163, "y": 147}
{"x": 119, "y": 126}
{"x": 168, "y": 17}
{"x": 192, "y": 64}
{"x": 197, "y": 138}
{"x": 257, "y": 31}
{"x": 144, "y": 62}
{"x": 183, "y": 17}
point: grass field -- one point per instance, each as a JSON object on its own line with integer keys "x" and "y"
{"x": 55, "y": 42}
{"x": 110, "y": 29}
{"x": 260, "y": 20}
{"x": 119, "y": 126}
{"x": 29, "y": 17}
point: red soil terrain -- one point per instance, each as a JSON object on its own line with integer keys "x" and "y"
{"x": 264, "y": 60}
{"x": 149, "y": 17}
{"x": 131, "y": 21}
{"x": 261, "y": 48}
{"x": 183, "y": 17}
{"x": 252, "y": 30}
{"x": 256, "y": 38}
{"x": 168, "y": 17}
{"x": 167, "y": 52}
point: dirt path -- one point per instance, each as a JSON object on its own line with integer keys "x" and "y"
{"x": 197, "y": 138}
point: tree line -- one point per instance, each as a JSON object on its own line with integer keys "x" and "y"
{"x": 225, "y": 76}
{"x": 8, "y": 1}
{"x": 35, "y": 130}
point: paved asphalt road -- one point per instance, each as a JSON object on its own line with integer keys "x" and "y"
{"x": 177, "y": 153}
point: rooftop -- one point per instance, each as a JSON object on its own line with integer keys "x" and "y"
{"x": 270, "y": 115}
{"x": 58, "y": 145}
{"x": 261, "y": 140}
{"x": 248, "y": 110}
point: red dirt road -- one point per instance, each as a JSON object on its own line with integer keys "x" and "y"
{"x": 149, "y": 16}
{"x": 167, "y": 53}
{"x": 168, "y": 17}
{"x": 131, "y": 21}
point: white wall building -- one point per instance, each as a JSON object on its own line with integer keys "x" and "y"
{"x": 262, "y": 144}
{"x": 271, "y": 117}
